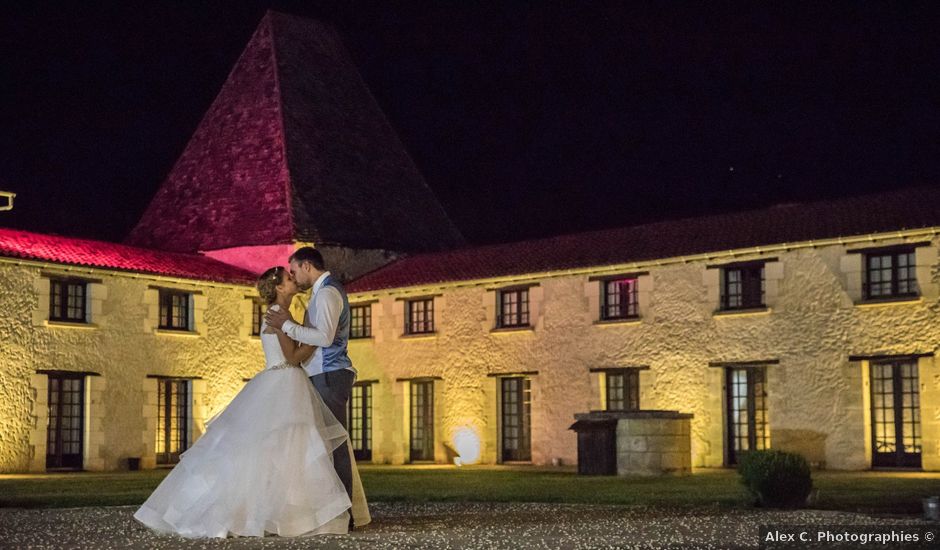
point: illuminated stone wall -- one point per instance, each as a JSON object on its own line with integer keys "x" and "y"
{"x": 818, "y": 398}
{"x": 123, "y": 347}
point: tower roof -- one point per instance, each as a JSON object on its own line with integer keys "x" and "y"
{"x": 294, "y": 148}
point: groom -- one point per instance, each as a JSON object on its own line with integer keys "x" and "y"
{"x": 326, "y": 325}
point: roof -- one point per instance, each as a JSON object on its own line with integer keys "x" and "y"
{"x": 100, "y": 254}
{"x": 904, "y": 209}
{"x": 294, "y": 148}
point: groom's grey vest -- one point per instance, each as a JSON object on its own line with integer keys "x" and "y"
{"x": 335, "y": 356}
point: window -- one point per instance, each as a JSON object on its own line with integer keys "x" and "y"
{"x": 746, "y": 396}
{"x": 419, "y": 316}
{"x": 360, "y": 323}
{"x": 890, "y": 274}
{"x": 895, "y": 413}
{"x": 172, "y": 419}
{"x": 64, "y": 436}
{"x": 67, "y": 300}
{"x": 618, "y": 299}
{"x": 174, "y": 310}
{"x": 257, "y": 316}
{"x": 623, "y": 390}
{"x": 513, "y": 307}
{"x": 742, "y": 287}
{"x": 360, "y": 420}
{"x": 422, "y": 420}
{"x": 516, "y": 422}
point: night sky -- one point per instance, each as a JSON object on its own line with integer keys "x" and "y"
{"x": 526, "y": 119}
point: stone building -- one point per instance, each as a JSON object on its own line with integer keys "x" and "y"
{"x": 810, "y": 328}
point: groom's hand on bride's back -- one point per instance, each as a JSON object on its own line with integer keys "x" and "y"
{"x": 276, "y": 318}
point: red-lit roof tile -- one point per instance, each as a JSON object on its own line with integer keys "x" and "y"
{"x": 67, "y": 250}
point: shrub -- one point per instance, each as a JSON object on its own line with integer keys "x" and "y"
{"x": 776, "y": 479}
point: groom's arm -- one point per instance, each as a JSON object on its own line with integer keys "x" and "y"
{"x": 326, "y": 317}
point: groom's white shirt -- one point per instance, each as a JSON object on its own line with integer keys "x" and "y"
{"x": 323, "y": 311}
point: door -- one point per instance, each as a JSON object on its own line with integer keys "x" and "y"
{"x": 172, "y": 420}
{"x": 516, "y": 419}
{"x": 422, "y": 420}
{"x": 895, "y": 414}
{"x": 747, "y": 428}
{"x": 65, "y": 435}
{"x": 360, "y": 421}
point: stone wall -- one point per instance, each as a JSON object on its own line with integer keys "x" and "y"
{"x": 816, "y": 337}
{"x": 814, "y": 322}
{"x": 122, "y": 347}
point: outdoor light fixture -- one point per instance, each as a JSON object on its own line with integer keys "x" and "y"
{"x": 9, "y": 196}
{"x": 467, "y": 444}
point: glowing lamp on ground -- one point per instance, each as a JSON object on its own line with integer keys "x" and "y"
{"x": 467, "y": 445}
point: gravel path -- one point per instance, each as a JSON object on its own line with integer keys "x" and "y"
{"x": 443, "y": 525}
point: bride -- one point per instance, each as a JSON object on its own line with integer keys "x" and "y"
{"x": 265, "y": 463}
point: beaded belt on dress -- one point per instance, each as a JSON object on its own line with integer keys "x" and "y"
{"x": 284, "y": 365}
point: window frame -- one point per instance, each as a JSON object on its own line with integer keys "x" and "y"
{"x": 60, "y": 314}
{"x": 360, "y": 407}
{"x": 165, "y": 318}
{"x": 894, "y": 294}
{"x": 366, "y": 325}
{"x": 257, "y": 316}
{"x": 182, "y": 414}
{"x": 428, "y": 322}
{"x": 755, "y": 417}
{"x": 629, "y": 309}
{"x": 746, "y": 280}
{"x": 631, "y": 389}
{"x": 522, "y": 317}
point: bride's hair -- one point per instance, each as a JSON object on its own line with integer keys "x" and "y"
{"x": 267, "y": 284}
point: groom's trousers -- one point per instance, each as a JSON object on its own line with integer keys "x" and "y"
{"x": 335, "y": 387}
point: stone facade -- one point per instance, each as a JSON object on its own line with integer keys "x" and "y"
{"x": 122, "y": 352}
{"x": 815, "y": 337}
{"x": 815, "y": 340}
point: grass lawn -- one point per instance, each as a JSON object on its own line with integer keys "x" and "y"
{"x": 874, "y": 492}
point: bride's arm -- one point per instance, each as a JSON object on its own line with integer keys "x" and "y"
{"x": 294, "y": 352}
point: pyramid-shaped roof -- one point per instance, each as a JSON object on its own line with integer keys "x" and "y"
{"x": 294, "y": 148}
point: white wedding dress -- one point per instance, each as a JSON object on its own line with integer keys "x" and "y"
{"x": 263, "y": 465}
